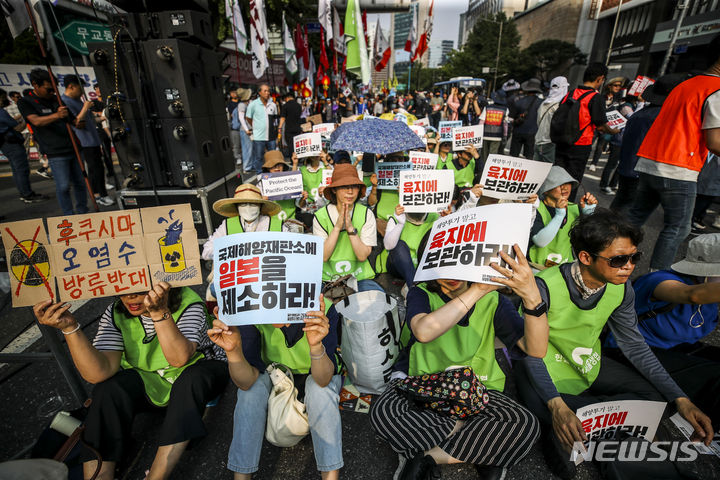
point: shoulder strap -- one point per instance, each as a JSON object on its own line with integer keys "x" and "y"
{"x": 654, "y": 313}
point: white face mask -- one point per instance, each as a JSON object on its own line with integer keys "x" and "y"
{"x": 249, "y": 212}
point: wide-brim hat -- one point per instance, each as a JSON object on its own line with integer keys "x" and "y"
{"x": 243, "y": 94}
{"x": 556, "y": 177}
{"x": 344, "y": 175}
{"x": 531, "y": 86}
{"x": 702, "y": 258}
{"x": 622, "y": 81}
{"x": 273, "y": 158}
{"x": 245, "y": 193}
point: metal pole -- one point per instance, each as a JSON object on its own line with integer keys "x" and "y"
{"x": 409, "y": 77}
{"x": 54, "y": 51}
{"x": 612, "y": 37}
{"x": 683, "y": 10}
{"x": 497, "y": 57}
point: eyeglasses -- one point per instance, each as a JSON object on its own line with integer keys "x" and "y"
{"x": 619, "y": 261}
{"x": 616, "y": 85}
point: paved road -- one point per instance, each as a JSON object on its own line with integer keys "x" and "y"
{"x": 25, "y": 391}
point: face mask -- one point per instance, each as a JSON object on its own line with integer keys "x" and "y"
{"x": 248, "y": 211}
{"x": 416, "y": 218}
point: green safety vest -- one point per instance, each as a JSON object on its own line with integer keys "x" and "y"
{"x": 287, "y": 209}
{"x": 412, "y": 235}
{"x": 465, "y": 176}
{"x": 311, "y": 182}
{"x": 389, "y": 199}
{"x": 559, "y": 249}
{"x": 442, "y": 164}
{"x": 573, "y": 356}
{"x": 274, "y": 348}
{"x": 472, "y": 345}
{"x": 234, "y": 225}
{"x": 343, "y": 259}
{"x": 145, "y": 355}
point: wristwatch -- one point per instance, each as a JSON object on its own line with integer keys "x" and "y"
{"x": 537, "y": 311}
{"x": 354, "y": 232}
{"x": 166, "y": 316}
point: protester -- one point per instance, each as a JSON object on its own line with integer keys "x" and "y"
{"x": 41, "y": 109}
{"x": 436, "y": 106}
{"x": 312, "y": 197}
{"x": 609, "y": 178}
{"x": 290, "y": 119}
{"x": 151, "y": 350}
{"x": 612, "y": 102}
{"x": 582, "y": 297}
{"x": 472, "y": 108}
{"x": 452, "y": 104}
{"x": 524, "y": 112}
{"x": 103, "y": 130}
{"x": 462, "y": 163}
{"x": 260, "y": 115}
{"x": 671, "y": 156}
{"x": 544, "y": 148}
{"x": 384, "y": 200}
{"x": 454, "y": 323}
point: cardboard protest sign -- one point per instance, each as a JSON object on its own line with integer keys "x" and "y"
{"x": 267, "y": 277}
{"x": 466, "y": 136}
{"x": 616, "y": 120}
{"x": 388, "y": 174}
{"x": 422, "y": 122}
{"x": 348, "y": 119}
{"x": 324, "y": 129}
{"x": 282, "y": 185}
{"x": 308, "y": 145}
{"x": 603, "y": 421}
{"x": 315, "y": 119}
{"x": 29, "y": 261}
{"x": 445, "y": 129}
{"x": 639, "y": 85}
{"x": 462, "y": 245}
{"x": 419, "y": 130}
{"x": 423, "y": 160}
{"x": 426, "y": 190}
{"x": 512, "y": 178}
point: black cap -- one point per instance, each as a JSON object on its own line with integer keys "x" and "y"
{"x": 659, "y": 91}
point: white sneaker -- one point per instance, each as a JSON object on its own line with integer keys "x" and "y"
{"x": 105, "y": 201}
{"x": 109, "y": 186}
{"x": 608, "y": 191}
{"x": 592, "y": 167}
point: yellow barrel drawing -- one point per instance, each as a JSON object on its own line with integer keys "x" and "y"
{"x": 173, "y": 256}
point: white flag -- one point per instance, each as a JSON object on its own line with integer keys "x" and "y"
{"x": 325, "y": 11}
{"x": 234, "y": 15}
{"x": 258, "y": 38}
{"x": 364, "y": 60}
{"x": 311, "y": 72}
{"x": 337, "y": 38}
{"x": 289, "y": 48}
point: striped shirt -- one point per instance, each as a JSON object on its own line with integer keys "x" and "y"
{"x": 191, "y": 324}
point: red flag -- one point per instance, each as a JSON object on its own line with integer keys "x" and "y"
{"x": 364, "y": 22}
{"x": 425, "y": 37}
{"x": 411, "y": 42}
{"x": 307, "y": 48}
{"x": 323, "y": 54}
{"x": 300, "y": 48}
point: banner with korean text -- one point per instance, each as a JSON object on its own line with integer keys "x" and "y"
{"x": 423, "y": 160}
{"x": 426, "y": 190}
{"x": 446, "y": 128}
{"x": 616, "y": 119}
{"x": 388, "y": 174}
{"x": 308, "y": 145}
{"x": 324, "y": 129}
{"x": 463, "y": 137}
{"x": 512, "y": 178}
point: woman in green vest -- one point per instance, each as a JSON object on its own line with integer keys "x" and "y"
{"x": 348, "y": 228}
{"x": 308, "y": 350}
{"x": 550, "y": 233}
{"x": 312, "y": 197}
{"x": 275, "y": 163}
{"x": 462, "y": 163}
{"x": 454, "y": 323}
{"x": 384, "y": 200}
{"x": 151, "y": 350}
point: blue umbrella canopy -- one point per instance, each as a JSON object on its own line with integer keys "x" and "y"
{"x": 374, "y": 136}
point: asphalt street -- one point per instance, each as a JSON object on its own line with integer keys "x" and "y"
{"x": 30, "y": 394}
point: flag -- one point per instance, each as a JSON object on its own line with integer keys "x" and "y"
{"x": 311, "y": 72}
{"x": 323, "y": 54}
{"x": 411, "y": 42}
{"x": 357, "y": 57}
{"x": 382, "y": 49}
{"x": 234, "y": 15}
{"x": 325, "y": 11}
{"x": 364, "y": 23}
{"x": 427, "y": 31}
{"x": 338, "y": 34}
{"x": 289, "y": 49}
{"x": 300, "y": 51}
{"x": 258, "y": 38}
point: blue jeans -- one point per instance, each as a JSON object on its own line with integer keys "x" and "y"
{"x": 400, "y": 263}
{"x": 677, "y": 198}
{"x": 367, "y": 285}
{"x": 67, "y": 173}
{"x": 15, "y": 152}
{"x": 247, "y": 150}
{"x": 259, "y": 148}
{"x": 323, "y": 414}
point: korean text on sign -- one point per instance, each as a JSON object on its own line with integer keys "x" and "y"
{"x": 426, "y": 190}
{"x": 512, "y": 178}
{"x": 388, "y": 174}
{"x": 466, "y": 136}
{"x": 324, "y": 129}
{"x": 462, "y": 245}
{"x": 616, "y": 119}
{"x": 308, "y": 145}
{"x": 423, "y": 160}
{"x": 267, "y": 277}
{"x": 282, "y": 185}
{"x": 446, "y": 128}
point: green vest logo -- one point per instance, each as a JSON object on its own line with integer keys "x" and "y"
{"x": 579, "y": 352}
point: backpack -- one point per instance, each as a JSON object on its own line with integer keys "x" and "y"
{"x": 565, "y": 123}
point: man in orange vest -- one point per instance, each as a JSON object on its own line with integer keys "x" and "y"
{"x": 592, "y": 117}
{"x": 671, "y": 156}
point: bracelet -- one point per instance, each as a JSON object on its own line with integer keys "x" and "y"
{"x": 318, "y": 357}
{"x": 74, "y": 330}
{"x": 461, "y": 301}
{"x": 165, "y": 316}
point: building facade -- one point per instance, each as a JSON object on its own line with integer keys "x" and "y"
{"x": 478, "y": 9}
{"x": 439, "y": 52}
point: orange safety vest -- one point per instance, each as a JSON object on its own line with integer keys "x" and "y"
{"x": 676, "y": 137}
{"x": 585, "y": 121}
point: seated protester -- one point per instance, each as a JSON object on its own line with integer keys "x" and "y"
{"x": 312, "y": 174}
{"x": 275, "y": 163}
{"x": 462, "y": 163}
{"x": 454, "y": 323}
{"x": 582, "y": 297}
{"x": 348, "y": 228}
{"x": 151, "y": 350}
{"x": 401, "y": 241}
{"x": 384, "y": 200}
{"x": 308, "y": 350}
{"x": 432, "y": 139}
{"x": 549, "y": 235}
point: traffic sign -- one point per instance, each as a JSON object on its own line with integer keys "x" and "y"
{"x": 77, "y": 33}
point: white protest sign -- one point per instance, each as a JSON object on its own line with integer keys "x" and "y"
{"x": 465, "y": 136}
{"x": 282, "y": 185}
{"x": 446, "y": 128}
{"x": 327, "y": 177}
{"x": 423, "y": 160}
{"x": 422, "y": 122}
{"x": 419, "y": 130}
{"x": 512, "y": 178}
{"x": 426, "y": 190}
{"x": 388, "y": 174}
{"x": 308, "y": 145}
{"x": 462, "y": 245}
{"x": 616, "y": 120}
{"x": 324, "y": 129}
{"x": 602, "y": 421}
{"x": 639, "y": 85}
{"x": 267, "y": 277}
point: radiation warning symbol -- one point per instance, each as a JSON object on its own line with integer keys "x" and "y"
{"x": 30, "y": 263}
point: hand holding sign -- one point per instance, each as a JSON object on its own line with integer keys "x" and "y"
{"x": 225, "y": 337}
{"x": 156, "y": 300}
{"x": 56, "y": 315}
{"x": 316, "y": 327}
{"x": 519, "y": 277}
{"x": 512, "y": 178}
{"x": 464, "y": 136}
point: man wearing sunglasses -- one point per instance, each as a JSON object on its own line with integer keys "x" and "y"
{"x": 580, "y": 298}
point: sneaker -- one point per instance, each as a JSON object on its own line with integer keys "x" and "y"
{"x": 608, "y": 191}
{"x": 716, "y": 223}
{"x": 420, "y": 467}
{"x": 109, "y": 186}
{"x": 104, "y": 201}
{"x": 592, "y": 167}
{"x": 491, "y": 472}
{"x": 44, "y": 172}
{"x": 698, "y": 225}
{"x": 34, "y": 198}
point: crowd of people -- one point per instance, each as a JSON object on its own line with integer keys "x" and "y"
{"x": 569, "y": 292}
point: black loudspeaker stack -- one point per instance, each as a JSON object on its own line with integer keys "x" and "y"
{"x": 162, "y": 83}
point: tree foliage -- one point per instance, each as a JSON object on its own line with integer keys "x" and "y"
{"x": 545, "y": 58}
{"x": 21, "y": 50}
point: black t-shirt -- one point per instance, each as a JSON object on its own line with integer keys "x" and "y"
{"x": 291, "y": 112}
{"x": 597, "y": 108}
{"x": 53, "y": 138}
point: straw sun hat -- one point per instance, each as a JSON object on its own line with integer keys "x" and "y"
{"x": 344, "y": 175}
{"x": 245, "y": 193}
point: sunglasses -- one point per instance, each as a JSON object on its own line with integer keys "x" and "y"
{"x": 619, "y": 261}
